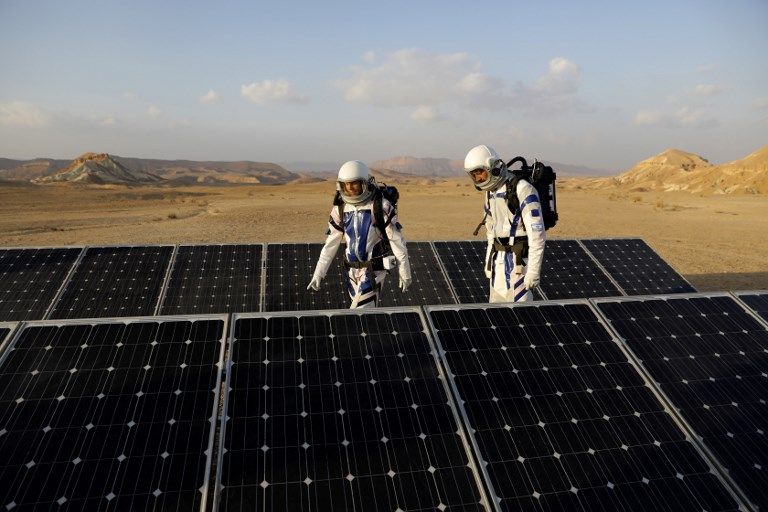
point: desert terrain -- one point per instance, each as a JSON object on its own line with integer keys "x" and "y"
{"x": 718, "y": 242}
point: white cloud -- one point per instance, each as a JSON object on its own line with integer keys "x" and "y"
{"x": 681, "y": 117}
{"x": 272, "y": 91}
{"x": 416, "y": 78}
{"x": 707, "y": 90}
{"x": 760, "y": 103}
{"x": 210, "y": 97}
{"x": 20, "y": 113}
{"x": 108, "y": 121}
{"x": 425, "y": 114}
{"x": 153, "y": 111}
{"x": 129, "y": 96}
{"x": 369, "y": 57}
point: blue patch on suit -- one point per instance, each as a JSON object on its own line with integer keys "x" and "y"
{"x": 535, "y": 213}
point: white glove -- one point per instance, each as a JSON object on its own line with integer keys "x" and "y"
{"x": 405, "y": 283}
{"x": 531, "y": 280}
{"x": 488, "y": 273}
{"x": 314, "y": 284}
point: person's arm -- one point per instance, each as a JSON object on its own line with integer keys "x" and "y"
{"x": 328, "y": 252}
{"x": 489, "y": 234}
{"x": 534, "y": 228}
{"x": 397, "y": 242}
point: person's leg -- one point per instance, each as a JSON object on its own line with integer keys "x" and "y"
{"x": 518, "y": 293}
{"x": 365, "y": 293}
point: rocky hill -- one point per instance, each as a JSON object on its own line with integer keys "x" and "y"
{"x": 674, "y": 170}
{"x": 99, "y": 169}
{"x": 27, "y": 170}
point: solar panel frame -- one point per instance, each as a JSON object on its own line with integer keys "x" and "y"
{"x": 64, "y": 281}
{"x": 5, "y": 340}
{"x": 711, "y": 458}
{"x": 209, "y": 452}
{"x": 161, "y": 304}
{"x": 741, "y": 298}
{"x": 684, "y": 282}
{"x": 75, "y": 269}
{"x": 714, "y": 466}
{"x": 166, "y": 281}
{"x": 442, "y": 377}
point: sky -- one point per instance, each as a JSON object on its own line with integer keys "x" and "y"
{"x": 602, "y": 84}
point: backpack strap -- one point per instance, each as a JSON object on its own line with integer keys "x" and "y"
{"x": 513, "y": 202}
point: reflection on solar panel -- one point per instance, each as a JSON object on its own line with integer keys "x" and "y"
{"x": 636, "y": 267}
{"x": 710, "y": 357}
{"x": 429, "y": 284}
{"x": 114, "y": 281}
{"x": 214, "y": 279}
{"x": 341, "y": 412}
{"x": 109, "y": 415}
{"x": 30, "y": 278}
{"x": 569, "y": 273}
{"x": 289, "y": 270}
{"x": 562, "y": 420}
{"x": 757, "y": 302}
{"x": 463, "y": 263}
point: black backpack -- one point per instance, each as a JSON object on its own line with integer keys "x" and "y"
{"x": 380, "y": 191}
{"x": 543, "y": 178}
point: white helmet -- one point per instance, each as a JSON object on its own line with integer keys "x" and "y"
{"x": 485, "y": 157}
{"x": 355, "y": 170}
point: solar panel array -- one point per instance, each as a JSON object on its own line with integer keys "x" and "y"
{"x": 115, "y": 281}
{"x": 757, "y": 301}
{"x": 710, "y": 357}
{"x": 342, "y": 411}
{"x": 110, "y": 415}
{"x": 636, "y": 267}
{"x": 463, "y": 264}
{"x": 30, "y": 279}
{"x": 214, "y": 279}
{"x": 562, "y": 420}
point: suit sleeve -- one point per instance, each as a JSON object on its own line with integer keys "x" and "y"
{"x": 489, "y": 223}
{"x": 534, "y": 224}
{"x": 332, "y": 242}
{"x": 397, "y": 240}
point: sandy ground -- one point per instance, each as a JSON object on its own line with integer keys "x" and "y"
{"x": 716, "y": 242}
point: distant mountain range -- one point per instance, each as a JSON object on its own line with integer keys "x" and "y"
{"x": 443, "y": 167}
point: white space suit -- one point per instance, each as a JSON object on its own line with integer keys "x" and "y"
{"x": 366, "y": 249}
{"x": 515, "y": 239}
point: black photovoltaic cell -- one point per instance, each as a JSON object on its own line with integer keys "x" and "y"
{"x": 109, "y": 416}
{"x": 757, "y": 302}
{"x": 636, "y": 267}
{"x": 710, "y": 357}
{"x": 214, "y": 279}
{"x": 30, "y": 278}
{"x": 429, "y": 283}
{"x": 569, "y": 273}
{"x": 289, "y": 270}
{"x": 562, "y": 420}
{"x": 115, "y": 281}
{"x": 341, "y": 412}
{"x": 463, "y": 262}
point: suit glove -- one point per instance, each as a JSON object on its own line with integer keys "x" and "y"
{"x": 531, "y": 280}
{"x": 314, "y": 284}
{"x": 405, "y": 283}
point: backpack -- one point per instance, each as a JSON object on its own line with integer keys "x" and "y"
{"x": 380, "y": 191}
{"x": 543, "y": 178}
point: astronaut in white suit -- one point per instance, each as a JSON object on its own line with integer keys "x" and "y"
{"x": 369, "y": 255}
{"x": 516, "y": 239}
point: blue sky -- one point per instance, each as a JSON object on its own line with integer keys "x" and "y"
{"x": 595, "y": 83}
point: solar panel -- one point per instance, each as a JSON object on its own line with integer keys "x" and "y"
{"x": 710, "y": 357}
{"x": 110, "y": 414}
{"x": 559, "y": 417}
{"x": 6, "y": 328}
{"x": 114, "y": 282}
{"x": 340, "y": 411}
{"x": 757, "y": 301}
{"x": 568, "y": 272}
{"x": 636, "y": 268}
{"x": 429, "y": 283}
{"x": 30, "y": 279}
{"x": 214, "y": 279}
{"x": 289, "y": 269}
